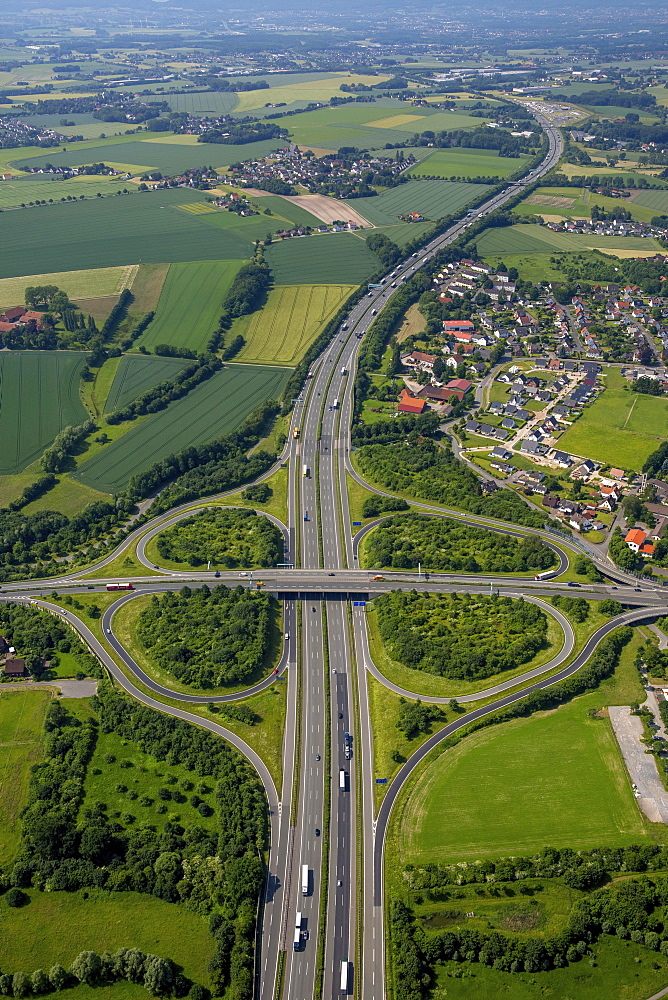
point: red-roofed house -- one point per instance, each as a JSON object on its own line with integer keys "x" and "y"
{"x": 635, "y": 539}
{"x": 460, "y": 384}
{"x": 418, "y": 359}
{"x": 410, "y": 404}
{"x": 11, "y": 315}
{"x": 647, "y": 550}
{"x": 6, "y": 327}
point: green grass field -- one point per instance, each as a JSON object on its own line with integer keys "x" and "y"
{"x": 557, "y": 778}
{"x": 148, "y": 227}
{"x": 654, "y": 199}
{"x": 531, "y": 267}
{"x": 338, "y": 258}
{"x": 462, "y": 162}
{"x": 21, "y": 719}
{"x": 190, "y": 304}
{"x": 433, "y": 199}
{"x": 621, "y": 428}
{"x": 575, "y": 203}
{"x": 284, "y": 209}
{"x": 56, "y": 926}
{"x": 212, "y": 409}
{"x": 538, "y": 239}
{"x": 135, "y": 374}
{"x": 39, "y": 395}
{"x": 23, "y": 191}
{"x": 292, "y": 317}
{"x": 170, "y": 158}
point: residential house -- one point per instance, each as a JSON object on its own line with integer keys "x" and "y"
{"x": 410, "y": 404}
{"x": 15, "y": 667}
{"x": 635, "y": 539}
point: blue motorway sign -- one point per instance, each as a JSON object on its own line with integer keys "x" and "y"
{"x": 381, "y": 781}
{"x": 359, "y": 604}
{"x": 357, "y": 524}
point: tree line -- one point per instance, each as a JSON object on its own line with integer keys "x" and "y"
{"x": 208, "y": 638}
{"x": 58, "y": 454}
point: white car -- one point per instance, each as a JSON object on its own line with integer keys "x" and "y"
{"x": 287, "y": 636}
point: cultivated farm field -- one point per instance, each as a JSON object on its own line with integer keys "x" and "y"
{"x": 21, "y": 719}
{"x": 213, "y": 408}
{"x": 146, "y": 227}
{"x": 190, "y": 304}
{"x": 462, "y": 162}
{"x": 101, "y": 281}
{"x": 39, "y": 395}
{"x": 292, "y": 317}
{"x": 339, "y": 258}
{"x": 621, "y": 428}
{"x": 135, "y": 374}
{"x": 137, "y": 155}
{"x": 538, "y": 239}
{"x": 434, "y": 199}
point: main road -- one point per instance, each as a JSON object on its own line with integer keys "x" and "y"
{"x": 325, "y": 662}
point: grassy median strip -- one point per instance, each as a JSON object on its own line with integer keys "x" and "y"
{"x": 359, "y": 805}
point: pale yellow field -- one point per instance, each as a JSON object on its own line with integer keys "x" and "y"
{"x": 77, "y": 284}
{"x": 174, "y": 140}
{"x": 308, "y": 90}
{"x": 394, "y": 121}
{"x": 624, "y": 254}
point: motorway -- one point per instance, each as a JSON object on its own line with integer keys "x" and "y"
{"x": 325, "y": 661}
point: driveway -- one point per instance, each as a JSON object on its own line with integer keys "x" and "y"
{"x": 68, "y": 688}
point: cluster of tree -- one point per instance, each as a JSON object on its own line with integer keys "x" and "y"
{"x": 157, "y": 975}
{"x": 236, "y": 86}
{"x": 550, "y": 862}
{"x": 440, "y": 543}
{"x": 433, "y": 473}
{"x": 654, "y": 659}
{"x": 656, "y": 464}
{"x": 577, "y": 608}
{"x": 377, "y": 504}
{"x": 416, "y": 717}
{"x": 461, "y": 636}
{"x": 207, "y": 870}
{"x": 258, "y": 493}
{"x": 586, "y": 567}
{"x": 275, "y": 186}
{"x": 39, "y": 637}
{"x": 610, "y": 98}
{"x": 208, "y": 638}
{"x": 117, "y": 314}
{"x": 387, "y": 251}
{"x": 647, "y": 386}
{"x": 161, "y": 395}
{"x": 646, "y": 273}
{"x": 48, "y": 297}
{"x": 239, "y": 713}
{"x": 167, "y": 351}
{"x": 57, "y": 455}
{"x": 239, "y": 135}
{"x": 233, "y": 348}
{"x": 479, "y": 138}
{"x": 248, "y": 290}
{"x": 618, "y": 212}
{"x": 226, "y": 537}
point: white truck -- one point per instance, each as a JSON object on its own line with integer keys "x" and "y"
{"x": 342, "y": 780}
{"x": 305, "y": 471}
{"x": 304, "y": 880}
